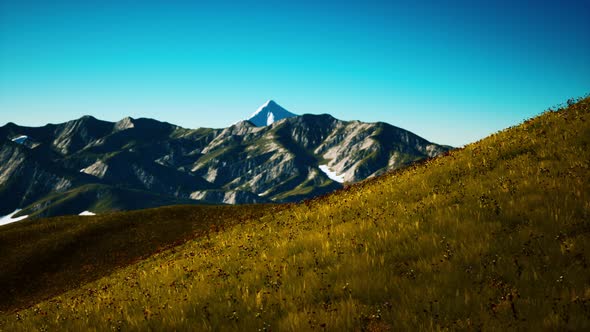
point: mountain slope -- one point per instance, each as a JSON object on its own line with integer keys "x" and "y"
{"x": 280, "y": 161}
{"x": 244, "y": 163}
{"x": 26, "y": 176}
{"x": 493, "y": 236}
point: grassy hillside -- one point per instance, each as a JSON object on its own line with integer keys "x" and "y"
{"x": 43, "y": 258}
{"x": 492, "y": 236}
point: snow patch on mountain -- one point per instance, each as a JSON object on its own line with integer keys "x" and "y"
{"x": 7, "y": 219}
{"x": 332, "y": 175}
{"x": 21, "y": 139}
{"x": 87, "y": 213}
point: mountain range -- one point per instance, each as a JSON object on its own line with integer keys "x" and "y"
{"x": 274, "y": 156}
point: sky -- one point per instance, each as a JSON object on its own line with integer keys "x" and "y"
{"x": 450, "y": 71}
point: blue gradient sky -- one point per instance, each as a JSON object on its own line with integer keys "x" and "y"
{"x": 450, "y": 71}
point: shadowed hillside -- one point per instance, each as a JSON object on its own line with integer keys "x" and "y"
{"x": 493, "y": 236}
{"x": 42, "y": 258}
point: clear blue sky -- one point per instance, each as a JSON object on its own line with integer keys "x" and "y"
{"x": 450, "y": 71}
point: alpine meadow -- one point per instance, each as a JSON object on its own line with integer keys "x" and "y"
{"x": 493, "y": 236}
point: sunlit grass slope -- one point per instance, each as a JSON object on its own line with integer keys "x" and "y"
{"x": 492, "y": 236}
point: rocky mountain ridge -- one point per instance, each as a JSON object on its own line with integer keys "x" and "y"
{"x": 99, "y": 166}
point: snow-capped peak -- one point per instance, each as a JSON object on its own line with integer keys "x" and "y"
{"x": 261, "y": 108}
{"x": 268, "y": 113}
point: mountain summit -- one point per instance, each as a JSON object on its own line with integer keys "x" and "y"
{"x": 268, "y": 113}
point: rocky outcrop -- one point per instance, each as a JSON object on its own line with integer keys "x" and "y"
{"x": 227, "y": 197}
{"x": 25, "y": 179}
{"x": 74, "y": 135}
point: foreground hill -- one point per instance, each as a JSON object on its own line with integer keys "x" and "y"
{"x": 44, "y": 258}
{"x": 244, "y": 163}
{"x": 492, "y": 236}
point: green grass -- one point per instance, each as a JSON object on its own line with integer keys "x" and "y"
{"x": 495, "y": 236}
